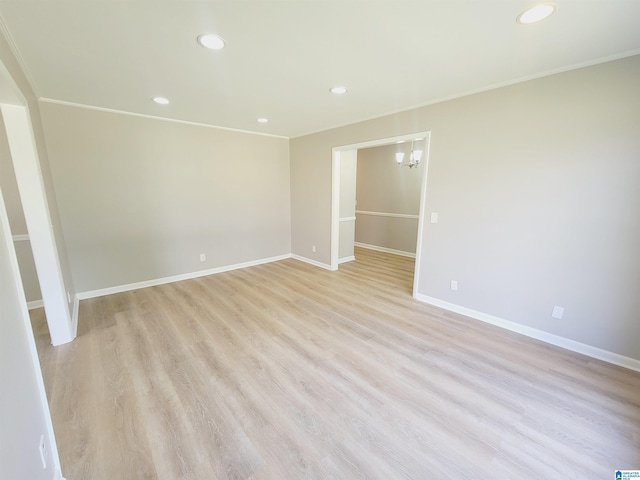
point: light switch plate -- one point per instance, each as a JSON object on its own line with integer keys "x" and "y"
{"x": 434, "y": 217}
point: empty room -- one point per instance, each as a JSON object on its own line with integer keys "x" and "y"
{"x": 319, "y": 239}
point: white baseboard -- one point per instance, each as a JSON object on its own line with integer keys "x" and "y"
{"x": 74, "y": 316}
{"x": 346, "y": 259}
{"x": 312, "y": 262}
{"x": 385, "y": 250}
{"x": 175, "y": 278}
{"x": 566, "y": 343}
{"x": 35, "y": 304}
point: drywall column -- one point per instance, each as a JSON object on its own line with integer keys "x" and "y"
{"x": 36, "y": 211}
{"x": 348, "y": 165}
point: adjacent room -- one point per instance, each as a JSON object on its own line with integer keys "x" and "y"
{"x": 322, "y": 239}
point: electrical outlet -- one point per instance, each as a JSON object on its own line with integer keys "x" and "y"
{"x": 434, "y": 217}
{"x": 313, "y": 249}
{"x": 557, "y": 312}
{"x": 454, "y": 285}
{"x": 203, "y": 257}
{"x": 43, "y": 452}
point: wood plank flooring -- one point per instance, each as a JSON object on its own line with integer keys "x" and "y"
{"x": 287, "y": 371}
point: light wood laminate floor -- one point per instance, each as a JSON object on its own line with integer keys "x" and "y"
{"x": 286, "y": 371}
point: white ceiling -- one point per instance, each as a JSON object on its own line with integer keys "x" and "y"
{"x": 283, "y": 56}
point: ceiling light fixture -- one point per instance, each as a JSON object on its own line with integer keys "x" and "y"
{"x": 211, "y": 41}
{"x": 263, "y": 120}
{"x": 161, "y": 100}
{"x": 414, "y": 157}
{"x": 537, "y": 13}
{"x": 338, "y": 90}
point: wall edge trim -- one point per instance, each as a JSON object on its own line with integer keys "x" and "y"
{"x": 74, "y": 316}
{"x": 154, "y": 117}
{"x": 22, "y": 237}
{"x": 100, "y": 292}
{"x": 402, "y": 253}
{"x": 487, "y": 88}
{"x": 350, "y": 258}
{"x": 312, "y": 262}
{"x": 550, "y": 338}
{"x": 32, "y": 305}
{"x": 384, "y": 214}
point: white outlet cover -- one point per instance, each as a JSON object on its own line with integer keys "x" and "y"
{"x": 454, "y": 285}
{"x": 434, "y": 217}
{"x": 557, "y": 312}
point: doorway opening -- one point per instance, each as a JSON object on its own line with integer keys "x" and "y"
{"x": 341, "y": 175}
{"x": 24, "y": 155}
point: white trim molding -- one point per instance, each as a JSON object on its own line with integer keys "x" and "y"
{"x": 312, "y": 262}
{"x": 74, "y": 315}
{"x": 32, "y": 305}
{"x": 347, "y": 259}
{"x": 24, "y": 237}
{"x": 153, "y": 117}
{"x": 347, "y": 219}
{"x": 558, "y": 341}
{"x": 383, "y": 214}
{"x": 385, "y": 250}
{"x": 174, "y": 278}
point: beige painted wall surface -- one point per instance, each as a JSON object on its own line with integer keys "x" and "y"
{"x": 537, "y": 186}
{"x": 142, "y": 198}
{"x": 385, "y": 187}
{"x": 398, "y": 234}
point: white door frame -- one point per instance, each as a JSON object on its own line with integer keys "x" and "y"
{"x": 335, "y": 193}
{"x": 26, "y": 163}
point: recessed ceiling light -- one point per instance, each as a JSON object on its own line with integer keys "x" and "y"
{"x": 161, "y": 100}
{"x": 338, "y": 90}
{"x": 537, "y": 13}
{"x": 211, "y": 41}
{"x": 263, "y": 120}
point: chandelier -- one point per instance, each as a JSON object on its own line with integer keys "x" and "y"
{"x": 414, "y": 157}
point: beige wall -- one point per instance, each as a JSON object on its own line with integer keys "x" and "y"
{"x": 384, "y": 187}
{"x": 141, "y": 198}
{"x": 537, "y": 186}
